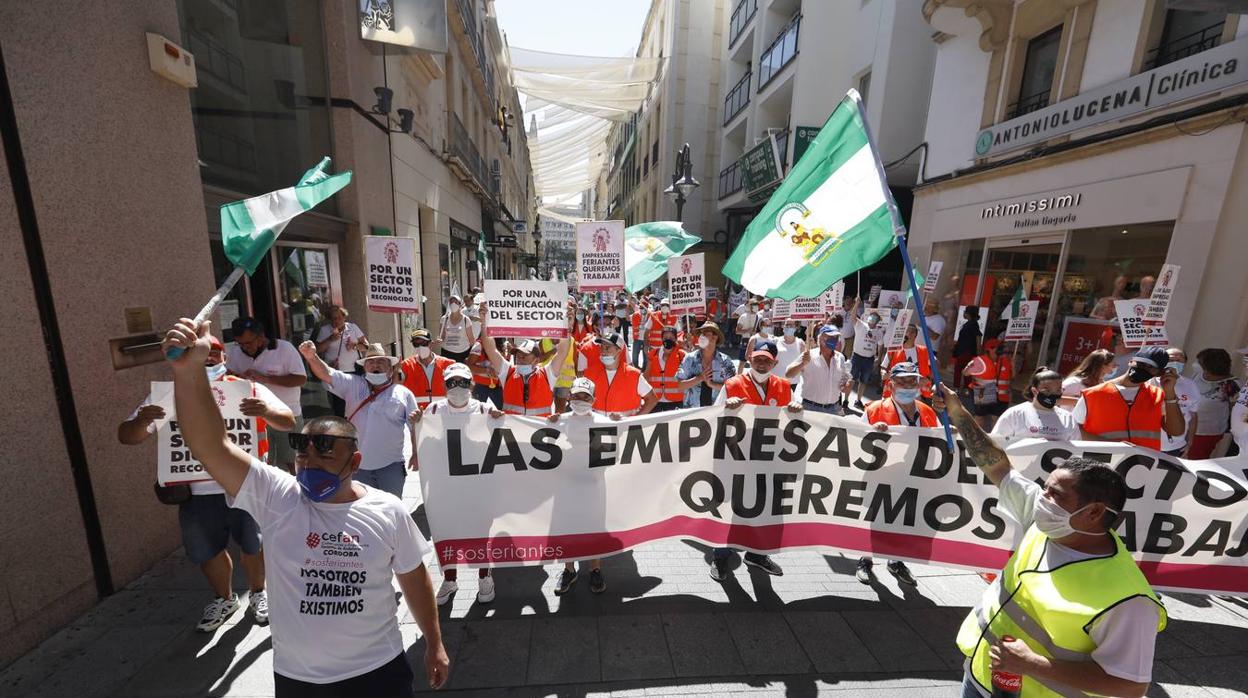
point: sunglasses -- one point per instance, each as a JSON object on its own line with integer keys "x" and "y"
{"x": 323, "y": 443}
{"x": 459, "y": 383}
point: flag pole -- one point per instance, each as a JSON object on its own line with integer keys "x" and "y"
{"x": 210, "y": 307}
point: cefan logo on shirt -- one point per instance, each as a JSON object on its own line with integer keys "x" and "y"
{"x": 313, "y": 540}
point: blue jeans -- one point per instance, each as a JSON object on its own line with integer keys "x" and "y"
{"x": 389, "y": 478}
{"x": 639, "y": 352}
{"x": 721, "y": 553}
{"x": 834, "y": 408}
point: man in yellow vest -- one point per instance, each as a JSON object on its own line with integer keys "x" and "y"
{"x": 1071, "y": 613}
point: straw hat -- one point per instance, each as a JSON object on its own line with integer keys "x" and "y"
{"x": 374, "y": 351}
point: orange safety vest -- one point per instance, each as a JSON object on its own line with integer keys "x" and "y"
{"x": 898, "y": 355}
{"x": 712, "y": 307}
{"x": 1111, "y": 417}
{"x": 636, "y": 321}
{"x": 662, "y": 377}
{"x": 985, "y": 371}
{"x": 541, "y": 398}
{"x": 654, "y": 331}
{"x": 262, "y": 434}
{"x": 886, "y": 411}
{"x": 779, "y": 392}
{"x": 482, "y": 368}
{"x": 617, "y": 395}
{"x": 414, "y": 378}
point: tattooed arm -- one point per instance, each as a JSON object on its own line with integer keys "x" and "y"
{"x": 979, "y": 446}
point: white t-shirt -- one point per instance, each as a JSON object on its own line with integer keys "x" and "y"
{"x": 1189, "y": 398}
{"x": 787, "y": 355}
{"x": 206, "y": 487}
{"x": 746, "y": 321}
{"x": 1080, "y": 413}
{"x": 1213, "y": 411}
{"x": 935, "y": 324}
{"x": 1072, "y": 386}
{"x": 1239, "y": 420}
{"x": 384, "y": 436}
{"x": 329, "y": 571}
{"x": 1024, "y": 420}
{"x": 338, "y": 355}
{"x": 1126, "y": 634}
{"x": 282, "y": 360}
{"x": 456, "y": 340}
{"x": 868, "y": 340}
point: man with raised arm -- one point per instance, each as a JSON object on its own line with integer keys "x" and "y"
{"x": 333, "y": 547}
{"x": 1081, "y": 615}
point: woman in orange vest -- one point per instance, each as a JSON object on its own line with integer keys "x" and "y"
{"x": 661, "y": 369}
{"x": 902, "y": 409}
{"x": 422, "y": 373}
{"x": 757, "y": 386}
{"x": 990, "y": 374}
{"x": 620, "y": 390}
{"x": 1128, "y": 408}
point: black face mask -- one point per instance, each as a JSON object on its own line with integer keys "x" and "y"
{"x": 669, "y": 343}
{"x": 1046, "y": 400}
{"x": 1139, "y": 375}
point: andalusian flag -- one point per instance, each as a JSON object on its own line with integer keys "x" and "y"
{"x": 483, "y": 259}
{"x": 249, "y": 227}
{"x": 831, "y": 216}
{"x": 647, "y": 247}
{"x": 1011, "y": 308}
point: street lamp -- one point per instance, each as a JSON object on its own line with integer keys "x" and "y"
{"x": 683, "y": 182}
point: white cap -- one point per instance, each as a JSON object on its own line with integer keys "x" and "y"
{"x": 526, "y": 346}
{"x": 457, "y": 370}
{"x": 582, "y": 385}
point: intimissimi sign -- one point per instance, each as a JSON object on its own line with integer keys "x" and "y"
{"x": 1208, "y": 71}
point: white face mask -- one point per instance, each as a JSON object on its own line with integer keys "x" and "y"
{"x": 423, "y": 352}
{"x": 377, "y": 378}
{"x": 581, "y": 407}
{"x": 455, "y": 307}
{"x": 760, "y": 376}
{"x": 609, "y": 361}
{"x": 524, "y": 369}
{"x": 1054, "y": 521}
{"x": 458, "y": 397}
{"x": 704, "y": 342}
{"x": 215, "y": 371}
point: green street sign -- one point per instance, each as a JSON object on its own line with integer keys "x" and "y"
{"x": 802, "y": 137}
{"x": 760, "y": 169}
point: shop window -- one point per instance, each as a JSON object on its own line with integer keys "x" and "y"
{"x": 1039, "y": 66}
{"x": 959, "y": 277}
{"x": 306, "y": 296}
{"x": 1185, "y": 33}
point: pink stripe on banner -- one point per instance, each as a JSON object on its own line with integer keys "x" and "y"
{"x": 548, "y": 333}
{"x": 521, "y": 550}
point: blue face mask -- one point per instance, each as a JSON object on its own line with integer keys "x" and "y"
{"x": 1178, "y": 366}
{"x": 319, "y": 485}
{"x": 790, "y": 331}
{"x": 906, "y": 395}
{"x": 830, "y": 344}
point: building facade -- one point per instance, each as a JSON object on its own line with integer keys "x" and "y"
{"x": 1074, "y": 149}
{"x": 785, "y": 66}
{"x": 112, "y": 226}
{"x": 682, "y": 108}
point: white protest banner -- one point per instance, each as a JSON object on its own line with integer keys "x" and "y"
{"x": 874, "y": 295}
{"x": 807, "y": 308}
{"x": 1159, "y": 301}
{"x": 897, "y": 330}
{"x": 895, "y": 300}
{"x": 834, "y": 298}
{"x": 521, "y": 491}
{"x": 1022, "y": 327}
{"x": 780, "y": 310}
{"x": 933, "y": 276}
{"x": 391, "y": 274}
{"x": 686, "y": 281}
{"x": 600, "y": 255}
{"x": 174, "y": 462}
{"x": 983, "y": 321}
{"x": 1135, "y": 333}
{"x": 526, "y": 308}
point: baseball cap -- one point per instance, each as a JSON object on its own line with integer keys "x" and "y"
{"x": 457, "y": 370}
{"x": 903, "y": 368}
{"x": 670, "y": 328}
{"x": 582, "y": 385}
{"x": 526, "y": 346}
{"x": 611, "y": 338}
{"x": 215, "y": 344}
{"x": 420, "y": 334}
{"x": 766, "y": 349}
{"x": 830, "y": 329}
{"x": 1152, "y": 356}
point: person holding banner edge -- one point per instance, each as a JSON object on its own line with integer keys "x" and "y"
{"x": 1091, "y": 617}
{"x": 290, "y": 509}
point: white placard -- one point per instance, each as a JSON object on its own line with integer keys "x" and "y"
{"x": 894, "y": 300}
{"x": 686, "y": 282}
{"x": 897, "y": 330}
{"x": 526, "y": 308}
{"x": 1135, "y": 333}
{"x": 874, "y": 295}
{"x": 316, "y": 268}
{"x": 1024, "y": 325}
{"x": 600, "y": 255}
{"x": 780, "y": 310}
{"x": 391, "y": 278}
{"x": 1163, "y": 291}
{"x": 933, "y": 276}
{"x": 174, "y": 462}
{"x": 834, "y": 298}
{"x": 807, "y": 308}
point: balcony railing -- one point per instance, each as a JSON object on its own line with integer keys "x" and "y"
{"x": 213, "y": 58}
{"x": 1028, "y": 104}
{"x": 1184, "y": 46}
{"x": 730, "y": 180}
{"x": 465, "y": 150}
{"x": 741, "y": 16}
{"x": 737, "y": 99}
{"x": 780, "y": 53}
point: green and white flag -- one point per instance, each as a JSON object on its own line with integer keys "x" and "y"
{"x": 1011, "y": 309}
{"x": 249, "y": 227}
{"x": 647, "y": 247}
{"x": 831, "y": 216}
{"x": 483, "y": 259}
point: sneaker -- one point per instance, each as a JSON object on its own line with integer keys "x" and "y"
{"x": 597, "y": 583}
{"x": 864, "y": 570}
{"x": 764, "y": 563}
{"x": 485, "y": 589}
{"x": 566, "y": 580}
{"x": 901, "y": 572}
{"x": 446, "y": 591}
{"x": 719, "y": 568}
{"x": 217, "y": 612}
{"x": 858, "y": 405}
{"x": 258, "y": 607}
